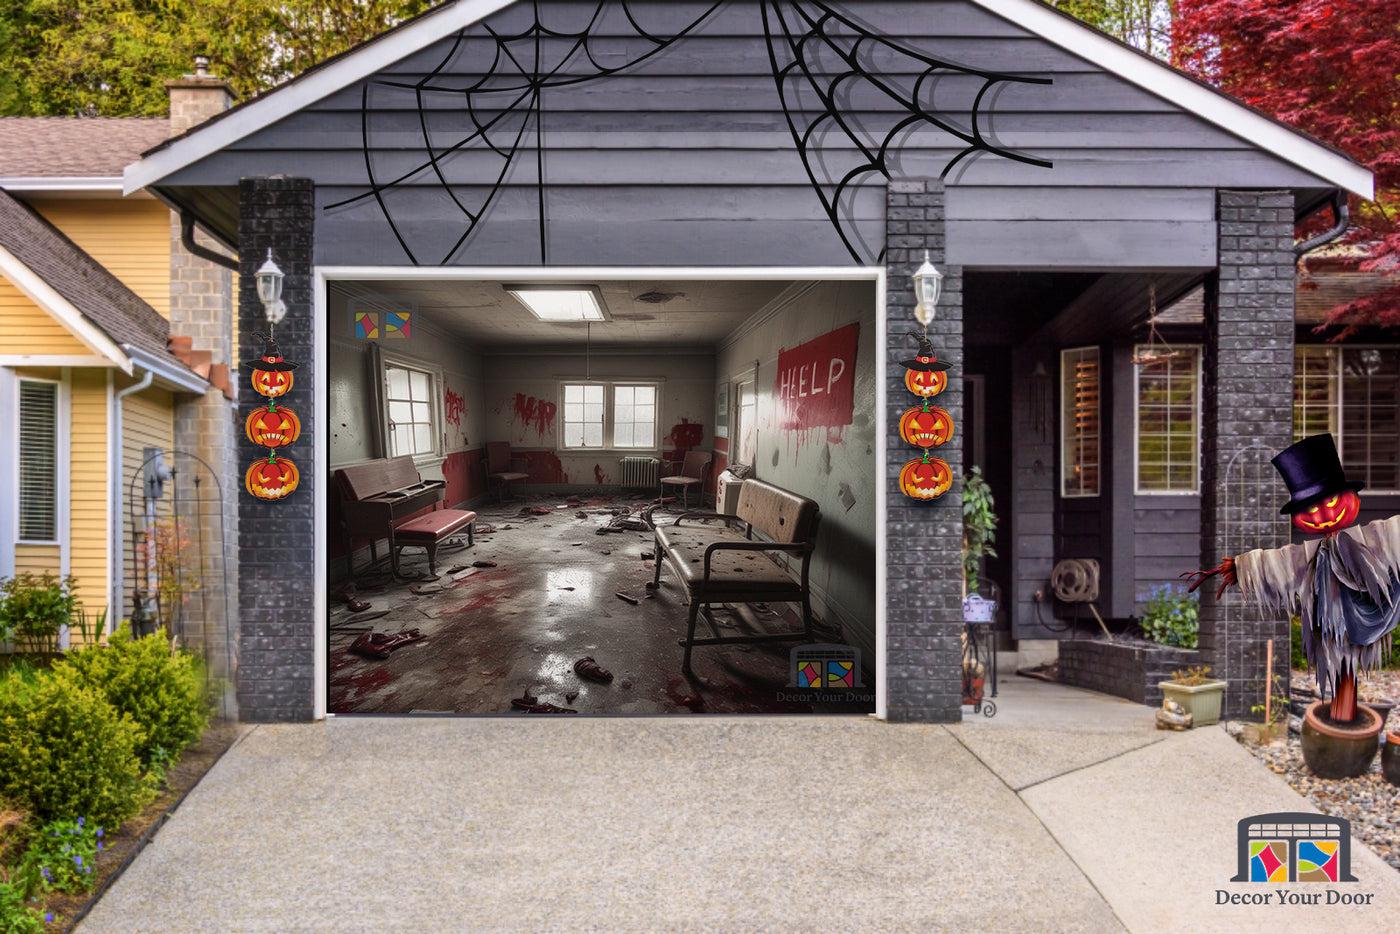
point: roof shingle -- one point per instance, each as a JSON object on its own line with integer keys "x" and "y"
{"x": 85, "y": 147}
{"x": 87, "y": 285}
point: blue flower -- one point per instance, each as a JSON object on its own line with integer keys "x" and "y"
{"x": 48, "y": 917}
{"x": 99, "y": 846}
{"x": 80, "y": 822}
{"x": 78, "y": 861}
{"x": 99, "y": 833}
{"x": 47, "y": 875}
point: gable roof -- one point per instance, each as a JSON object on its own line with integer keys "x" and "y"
{"x": 1115, "y": 57}
{"x": 80, "y": 292}
{"x": 93, "y": 150}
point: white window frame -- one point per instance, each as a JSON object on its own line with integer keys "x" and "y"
{"x": 389, "y": 361}
{"x": 1137, "y": 427}
{"x": 1065, "y": 411}
{"x": 610, "y": 388}
{"x": 1338, "y": 404}
{"x": 737, "y": 423}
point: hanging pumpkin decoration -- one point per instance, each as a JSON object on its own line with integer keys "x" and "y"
{"x": 272, "y": 426}
{"x": 272, "y": 477}
{"x": 272, "y": 376}
{"x": 925, "y": 383}
{"x": 925, "y": 478}
{"x": 925, "y": 426}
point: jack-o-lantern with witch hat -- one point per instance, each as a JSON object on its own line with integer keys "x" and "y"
{"x": 272, "y": 376}
{"x": 1345, "y": 587}
{"x": 927, "y": 375}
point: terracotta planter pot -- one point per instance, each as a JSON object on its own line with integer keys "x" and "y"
{"x": 1340, "y": 750}
{"x": 1390, "y": 758}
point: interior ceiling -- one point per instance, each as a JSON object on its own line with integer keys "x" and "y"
{"x": 643, "y": 313}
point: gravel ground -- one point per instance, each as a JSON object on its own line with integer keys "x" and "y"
{"x": 1370, "y": 802}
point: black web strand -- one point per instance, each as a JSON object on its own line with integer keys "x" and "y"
{"x": 369, "y": 170}
{"x": 427, "y": 134}
{"x": 539, "y": 134}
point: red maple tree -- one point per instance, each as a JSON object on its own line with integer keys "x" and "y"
{"x": 1332, "y": 69}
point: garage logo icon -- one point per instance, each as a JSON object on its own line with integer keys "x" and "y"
{"x": 825, "y": 666}
{"x": 1294, "y": 847}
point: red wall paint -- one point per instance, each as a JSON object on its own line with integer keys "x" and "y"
{"x": 815, "y": 386}
{"x": 599, "y": 475}
{"x": 542, "y": 466}
{"x": 534, "y": 413}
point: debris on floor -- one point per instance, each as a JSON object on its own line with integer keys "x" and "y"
{"x": 531, "y": 704}
{"x": 533, "y": 511}
{"x": 483, "y": 564}
{"x": 628, "y": 597}
{"x": 590, "y": 670}
{"x": 426, "y": 588}
{"x": 378, "y": 645}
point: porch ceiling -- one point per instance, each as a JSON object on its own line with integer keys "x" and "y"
{"x": 643, "y": 313}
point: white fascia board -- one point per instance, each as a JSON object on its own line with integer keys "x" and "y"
{"x": 1205, "y": 102}
{"x": 75, "y": 183}
{"x": 300, "y": 93}
{"x": 42, "y": 294}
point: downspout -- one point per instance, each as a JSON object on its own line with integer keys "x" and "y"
{"x": 1342, "y": 212}
{"x": 187, "y": 241}
{"x": 114, "y": 444}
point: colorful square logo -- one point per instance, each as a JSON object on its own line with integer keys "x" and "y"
{"x": 1268, "y": 861}
{"x": 367, "y": 325}
{"x": 809, "y": 675}
{"x": 840, "y": 674}
{"x": 1318, "y": 860}
{"x": 396, "y": 324}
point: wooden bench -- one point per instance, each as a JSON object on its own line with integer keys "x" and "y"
{"x": 733, "y": 559}
{"x": 378, "y": 500}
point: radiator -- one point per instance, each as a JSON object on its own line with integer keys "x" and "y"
{"x": 642, "y": 472}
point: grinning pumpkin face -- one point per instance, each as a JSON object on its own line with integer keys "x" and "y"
{"x": 925, "y": 426}
{"x": 272, "y": 426}
{"x": 271, "y": 477}
{"x": 1329, "y": 514}
{"x": 925, "y": 478}
{"x": 272, "y": 382}
{"x": 925, "y": 383}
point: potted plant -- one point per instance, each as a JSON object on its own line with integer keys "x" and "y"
{"x": 979, "y": 536}
{"x": 1197, "y": 692}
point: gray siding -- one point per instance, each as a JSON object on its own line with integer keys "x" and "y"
{"x": 1167, "y": 541}
{"x": 686, "y": 159}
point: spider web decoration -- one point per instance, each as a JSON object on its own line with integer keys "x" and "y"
{"x": 817, "y": 52}
{"x": 500, "y": 107}
{"x": 823, "y": 64}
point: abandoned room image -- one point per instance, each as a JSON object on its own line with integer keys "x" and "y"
{"x": 534, "y": 433}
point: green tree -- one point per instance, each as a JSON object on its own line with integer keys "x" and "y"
{"x": 1144, "y": 24}
{"x": 108, "y": 57}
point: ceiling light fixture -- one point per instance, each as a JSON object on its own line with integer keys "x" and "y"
{"x": 557, "y": 303}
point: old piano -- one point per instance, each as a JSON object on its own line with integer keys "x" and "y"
{"x": 377, "y": 500}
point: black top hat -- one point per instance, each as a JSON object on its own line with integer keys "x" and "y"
{"x": 1312, "y": 470}
{"x": 271, "y": 359}
{"x": 926, "y": 361}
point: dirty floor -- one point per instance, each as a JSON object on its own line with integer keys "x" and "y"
{"x": 551, "y": 598}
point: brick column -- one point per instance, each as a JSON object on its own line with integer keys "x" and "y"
{"x": 924, "y": 601}
{"x": 276, "y": 539}
{"x": 1248, "y": 393}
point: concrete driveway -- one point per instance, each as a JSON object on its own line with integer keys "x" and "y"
{"x": 1066, "y": 812}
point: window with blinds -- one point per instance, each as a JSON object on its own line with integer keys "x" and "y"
{"x": 1079, "y": 421}
{"x": 1353, "y": 393}
{"x": 1168, "y": 423}
{"x": 38, "y": 461}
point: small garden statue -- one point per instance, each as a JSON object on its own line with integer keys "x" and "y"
{"x": 1172, "y": 716}
{"x": 1345, "y": 585}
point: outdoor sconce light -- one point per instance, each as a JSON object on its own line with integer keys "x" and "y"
{"x": 269, "y": 277}
{"x": 928, "y": 283}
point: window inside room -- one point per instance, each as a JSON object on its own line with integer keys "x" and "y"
{"x": 1079, "y": 421}
{"x": 1354, "y": 393}
{"x": 610, "y": 415}
{"x": 1168, "y": 423}
{"x": 745, "y": 408}
{"x": 38, "y": 461}
{"x": 411, "y": 416}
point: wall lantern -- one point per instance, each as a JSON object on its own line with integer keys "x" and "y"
{"x": 928, "y": 283}
{"x": 269, "y": 277}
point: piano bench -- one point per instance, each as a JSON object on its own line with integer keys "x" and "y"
{"x": 428, "y": 531}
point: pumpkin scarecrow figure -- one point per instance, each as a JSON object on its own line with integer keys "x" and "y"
{"x": 1345, "y": 585}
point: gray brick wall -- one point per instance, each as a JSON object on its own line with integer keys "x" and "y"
{"x": 924, "y": 598}
{"x": 1248, "y": 391}
{"x": 276, "y": 540}
{"x": 1126, "y": 671}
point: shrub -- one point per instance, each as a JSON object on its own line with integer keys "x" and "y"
{"x": 33, "y": 608}
{"x": 1170, "y": 616}
{"x": 15, "y": 916}
{"x": 144, "y": 680}
{"x": 65, "y": 752}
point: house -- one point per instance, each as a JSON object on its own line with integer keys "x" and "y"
{"x": 742, "y": 183}
{"x": 114, "y": 378}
